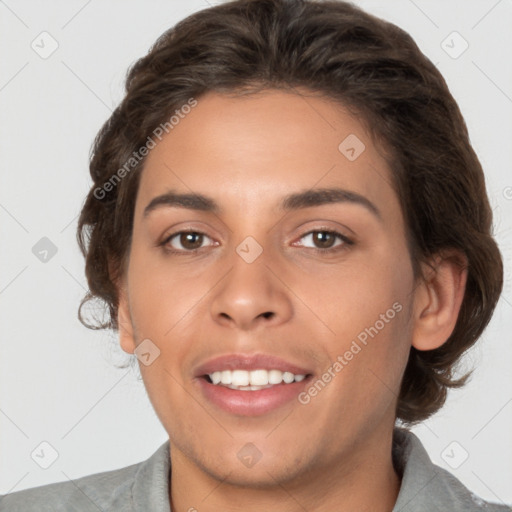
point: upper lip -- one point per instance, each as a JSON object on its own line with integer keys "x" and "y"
{"x": 248, "y": 362}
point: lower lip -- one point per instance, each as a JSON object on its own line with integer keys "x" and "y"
{"x": 251, "y": 403}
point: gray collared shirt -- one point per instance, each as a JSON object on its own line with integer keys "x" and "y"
{"x": 143, "y": 487}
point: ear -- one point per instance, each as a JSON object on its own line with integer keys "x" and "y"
{"x": 124, "y": 320}
{"x": 438, "y": 298}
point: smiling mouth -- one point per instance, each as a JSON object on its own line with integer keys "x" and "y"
{"x": 252, "y": 392}
{"x": 252, "y": 380}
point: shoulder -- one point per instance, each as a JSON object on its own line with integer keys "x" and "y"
{"x": 92, "y": 492}
{"x": 109, "y": 490}
{"x": 426, "y": 486}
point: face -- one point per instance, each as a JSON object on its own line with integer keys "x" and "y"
{"x": 266, "y": 273}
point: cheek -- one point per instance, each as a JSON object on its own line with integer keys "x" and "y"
{"x": 354, "y": 299}
{"x": 161, "y": 295}
{"x": 368, "y": 309}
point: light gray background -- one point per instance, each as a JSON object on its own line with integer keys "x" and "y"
{"x": 57, "y": 379}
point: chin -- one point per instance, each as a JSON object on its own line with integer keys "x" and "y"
{"x": 262, "y": 476}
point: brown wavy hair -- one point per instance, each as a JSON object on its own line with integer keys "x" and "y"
{"x": 340, "y": 52}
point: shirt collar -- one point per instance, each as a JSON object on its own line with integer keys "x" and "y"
{"x": 424, "y": 485}
{"x": 150, "y": 489}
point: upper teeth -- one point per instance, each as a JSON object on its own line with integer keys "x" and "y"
{"x": 253, "y": 379}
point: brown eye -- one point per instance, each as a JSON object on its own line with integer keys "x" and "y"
{"x": 323, "y": 239}
{"x": 191, "y": 240}
{"x": 185, "y": 241}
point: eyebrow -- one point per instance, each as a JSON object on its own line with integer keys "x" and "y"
{"x": 305, "y": 199}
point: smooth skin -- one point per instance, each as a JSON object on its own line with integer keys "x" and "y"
{"x": 296, "y": 301}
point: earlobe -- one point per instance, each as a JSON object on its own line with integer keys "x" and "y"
{"x": 438, "y": 299}
{"x": 124, "y": 322}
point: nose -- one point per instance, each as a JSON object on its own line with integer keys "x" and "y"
{"x": 251, "y": 295}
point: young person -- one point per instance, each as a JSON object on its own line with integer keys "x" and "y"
{"x": 291, "y": 232}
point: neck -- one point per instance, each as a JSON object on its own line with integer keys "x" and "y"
{"x": 365, "y": 481}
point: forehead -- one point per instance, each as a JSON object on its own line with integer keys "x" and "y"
{"x": 252, "y": 150}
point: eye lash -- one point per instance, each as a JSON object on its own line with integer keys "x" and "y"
{"x": 167, "y": 239}
{"x": 346, "y": 241}
{"x": 172, "y": 235}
